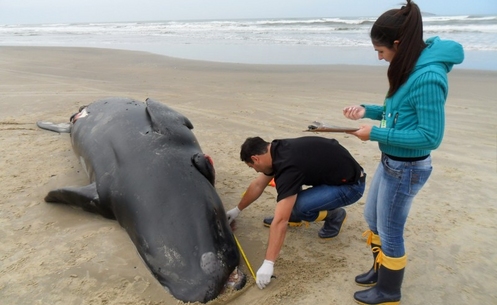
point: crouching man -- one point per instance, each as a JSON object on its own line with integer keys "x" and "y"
{"x": 331, "y": 176}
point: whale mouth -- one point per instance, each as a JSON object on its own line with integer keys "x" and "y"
{"x": 236, "y": 280}
{"x": 212, "y": 266}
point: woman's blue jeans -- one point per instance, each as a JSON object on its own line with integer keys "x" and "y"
{"x": 326, "y": 197}
{"x": 390, "y": 196}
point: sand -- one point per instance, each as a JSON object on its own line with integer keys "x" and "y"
{"x": 56, "y": 254}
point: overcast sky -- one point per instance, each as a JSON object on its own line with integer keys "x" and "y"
{"x": 71, "y": 11}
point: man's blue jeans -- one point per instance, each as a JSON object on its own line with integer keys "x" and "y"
{"x": 390, "y": 196}
{"x": 326, "y": 197}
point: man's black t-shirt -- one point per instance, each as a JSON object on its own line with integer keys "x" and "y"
{"x": 311, "y": 161}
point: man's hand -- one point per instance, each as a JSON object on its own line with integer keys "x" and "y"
{"x": 264, "y": 274}
{"x": 232, "y": 214}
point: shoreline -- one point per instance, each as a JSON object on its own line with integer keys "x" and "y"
{"x": 278, "y": 55}
{"x": 59, "y": 254}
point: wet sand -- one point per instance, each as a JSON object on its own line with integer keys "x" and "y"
{"x": 56, "y": 254}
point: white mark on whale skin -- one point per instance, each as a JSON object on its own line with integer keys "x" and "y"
{"x": 83, "y": 164}
{"x": 209, "y": 263}
{"x": 172, "y": 257}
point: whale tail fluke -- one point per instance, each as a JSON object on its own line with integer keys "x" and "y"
{"x": 60, "y": 127}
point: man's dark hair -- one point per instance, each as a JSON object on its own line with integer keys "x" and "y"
{"x": 252, "y": 147}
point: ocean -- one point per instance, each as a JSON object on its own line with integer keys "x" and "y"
{"x": 314, "y": 41}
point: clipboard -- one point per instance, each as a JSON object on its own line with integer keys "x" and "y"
{"x": 321, "y": 127}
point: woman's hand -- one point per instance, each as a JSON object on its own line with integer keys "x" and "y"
{"x": 363, "y": 132}
{"x": 354, "y": 112}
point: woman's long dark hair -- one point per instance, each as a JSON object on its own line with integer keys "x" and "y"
{"x": 406, "y": 26}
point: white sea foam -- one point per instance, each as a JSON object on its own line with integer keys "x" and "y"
{"x": 475, "y": 33}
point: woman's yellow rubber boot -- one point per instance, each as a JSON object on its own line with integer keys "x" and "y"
{"x": 387, "y": 288}
{"x": 370, "y": 277}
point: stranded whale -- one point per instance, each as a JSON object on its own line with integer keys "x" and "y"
{"x": 147, "y": 170}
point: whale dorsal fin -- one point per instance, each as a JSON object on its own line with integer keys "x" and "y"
{"x": 161, "y": 117}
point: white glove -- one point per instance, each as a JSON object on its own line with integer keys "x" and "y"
{"x": 264, "y": 274}
{"x": 232, "y": 214}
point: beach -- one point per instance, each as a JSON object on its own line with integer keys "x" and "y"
{"x": 57, "y": 254}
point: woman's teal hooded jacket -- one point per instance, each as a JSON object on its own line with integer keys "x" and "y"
{"x": 415, "y": 115}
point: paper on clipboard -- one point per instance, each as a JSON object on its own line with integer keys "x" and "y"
{"x": 321, "y": 127}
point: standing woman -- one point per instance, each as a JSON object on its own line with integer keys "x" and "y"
{"x": 412, "y": 120}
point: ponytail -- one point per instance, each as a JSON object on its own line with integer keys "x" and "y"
{"x": 404, "y": 25}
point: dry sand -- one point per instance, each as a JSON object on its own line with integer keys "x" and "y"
{"x": 55, "y": 254}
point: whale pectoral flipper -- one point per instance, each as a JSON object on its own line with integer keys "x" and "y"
{"x": 205, "y": 166}
{"x": 60, "y": 128}
{"x": 85, "y": 197}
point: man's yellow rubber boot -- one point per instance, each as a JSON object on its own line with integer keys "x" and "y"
{"x": 333, "y": 223}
